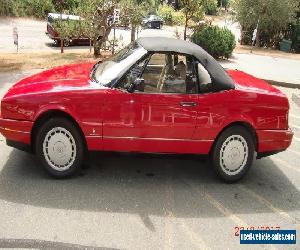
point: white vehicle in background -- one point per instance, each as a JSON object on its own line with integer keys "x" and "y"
{"x": 54, "y": 35}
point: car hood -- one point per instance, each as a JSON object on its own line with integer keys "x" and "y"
{"x": 56, "y": 79}
{"x": 244, "y": 81}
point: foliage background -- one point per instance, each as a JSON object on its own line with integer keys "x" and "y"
{"x": 40, "y": 8}
{"x": 36, "y": 8}
{"x": 272, "y": 16}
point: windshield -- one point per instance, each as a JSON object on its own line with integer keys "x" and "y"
{"x": 112, "y": 69}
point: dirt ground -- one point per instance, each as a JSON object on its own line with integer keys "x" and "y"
{"x": 42, "y": 60}
{"x": 245, "y": 49}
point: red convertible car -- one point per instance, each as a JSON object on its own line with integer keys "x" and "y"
{"x": 160, "y": 95}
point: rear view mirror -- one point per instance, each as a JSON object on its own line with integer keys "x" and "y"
{"x": 136, "y": 84}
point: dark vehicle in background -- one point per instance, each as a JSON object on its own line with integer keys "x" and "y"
{"x": 54, "y": 35}
{"x": 152, "y": 22}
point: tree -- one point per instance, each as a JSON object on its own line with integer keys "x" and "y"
{"x": 223, "y": 3}
{"x": 132, "y": 12}
{"x": 192, "y": 9}
{"x": 268, "y": 16}
{"x": 210, "y": 7}
{"x": 95, "y": 23}
{"x": 65, "y": 5}
{"x": 64, "y": 29}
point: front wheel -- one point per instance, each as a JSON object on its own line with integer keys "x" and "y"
{"x": 233, "y": 153}
{"x": 56, "y": 43}
{"x": 60, "y": 147}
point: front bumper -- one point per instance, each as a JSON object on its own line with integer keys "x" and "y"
{"x": 15, "y": 130}
{"x": 274, "y": 140}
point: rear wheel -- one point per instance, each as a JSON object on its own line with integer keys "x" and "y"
{"x": 233, "y": 153}
{"x": 67, "y": 42}
{"x": 60, "y": 147}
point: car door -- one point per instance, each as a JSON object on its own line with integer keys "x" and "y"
{"x": 212, "y": 110}
{"x": 161, "y": 113}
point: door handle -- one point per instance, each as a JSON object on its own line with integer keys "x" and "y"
{"x": 188, "y": 104}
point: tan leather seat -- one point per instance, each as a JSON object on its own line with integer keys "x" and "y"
{"x": 180, "y": 70}
{"x": 167, "y": 70}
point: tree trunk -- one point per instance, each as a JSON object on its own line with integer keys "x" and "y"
{"x": 176, "y": 5}
{"x": 257, "y": 37}
{"x": 242, "y": 36}
{"x": 185, "y": 28}
{"x": 133, "y": 28}
{"x": 114, "y": 40}
{"x": 61, "y": 46}
{"x": 97, "y": 48}
{"x": 98, "y": 42}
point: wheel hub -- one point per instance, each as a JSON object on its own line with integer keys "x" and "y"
{"x": 59, "y": 149}
{"x": 234, "y": 154}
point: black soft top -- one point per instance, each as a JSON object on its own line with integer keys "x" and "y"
{"x": 220, "y": 79}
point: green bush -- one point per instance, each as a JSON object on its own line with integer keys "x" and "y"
{"x": 69, "y": 28}
{"x": 225, "y": 3}
{"x": 5, "y": 7}
{"x": 219, "y": 42}
{"x": 166, "y": 13}
{"x": 246, "y": 37}
{"x": 178, "y": 18}
{"x": 274, "y": 18}
{"x": 21, "y": 8}
{"x": 36, "y": 8}
{"x": 211, "y": 7}
{"x": 170, "y": 16}
{"x": 296, "y": 36}
{"x": 65, "y": 5}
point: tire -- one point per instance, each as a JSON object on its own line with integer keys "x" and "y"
{"x": 60, "y": 147}
{"x": 233, "y": 154}
{"x": 56, "y": 43}
{"x": 67, "y": 42}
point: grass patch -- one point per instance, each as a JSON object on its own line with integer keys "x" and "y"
{"x": 42, "y": 60}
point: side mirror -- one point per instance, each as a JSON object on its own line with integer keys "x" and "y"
{"x": 136, "y": 84}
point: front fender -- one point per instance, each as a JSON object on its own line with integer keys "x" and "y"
{"x": 90, "y": 126}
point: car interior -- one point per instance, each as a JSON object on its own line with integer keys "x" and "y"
{"x": 169, "y": 73}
